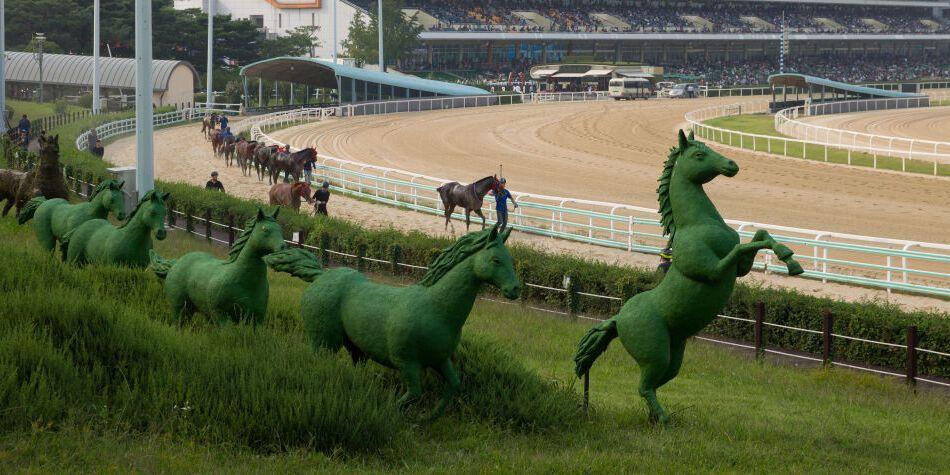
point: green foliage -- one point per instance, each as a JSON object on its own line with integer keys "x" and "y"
{"x": 400, "y": 34}
{"x": 301, "y": 41}
{"x": 60, "y": 106}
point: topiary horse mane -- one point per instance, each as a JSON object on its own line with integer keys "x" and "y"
{"x": 663, "y": 191}
{"x": 106, "y": 185}
{"x": 242, "y": 239}
{"x": 454, "y": 254}
{"x": 145, "y": 199}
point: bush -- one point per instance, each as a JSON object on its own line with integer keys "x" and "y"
{"x": 60, "y": 106}
{"x": 85, "y": 101}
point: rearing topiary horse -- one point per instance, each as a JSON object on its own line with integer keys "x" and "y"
{"x": 52, "y": 219}
{"x": 410, "y": 328}
{"x": 654, "y": 325}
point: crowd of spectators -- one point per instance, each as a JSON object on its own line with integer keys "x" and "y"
{"x": 652, "y": 16}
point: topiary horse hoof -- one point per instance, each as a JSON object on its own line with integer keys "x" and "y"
{"x": 794, "y": 268}
{"x": 782, "y": 251}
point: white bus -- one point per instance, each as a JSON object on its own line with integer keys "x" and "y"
{"x": 630, "y": 88}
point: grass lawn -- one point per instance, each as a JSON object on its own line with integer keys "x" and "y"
{"x": 730, "y": 413}
{"x": 762, "y": 124}
{"x": 36, "y": 110}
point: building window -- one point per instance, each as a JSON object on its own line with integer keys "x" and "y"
{"x": 257, "y": 20}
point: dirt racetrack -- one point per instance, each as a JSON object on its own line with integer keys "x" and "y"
{"x": 925, "y": 124}
{"x": 613, "y": 151}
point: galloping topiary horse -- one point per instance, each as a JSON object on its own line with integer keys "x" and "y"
{"x": 98, "y": 241}
{"x": 228, "y": 290}
{"x": 52, "y": 219}
{"x": 410, "y": 328}
{"x": 654, "y": 325}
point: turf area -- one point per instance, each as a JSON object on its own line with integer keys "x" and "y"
{"x": 762, "y": 124}
{"x": 730, "y": 413}
{"x": 35, "y": 110}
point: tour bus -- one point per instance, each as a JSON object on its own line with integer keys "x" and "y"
{"x": 630, "y": 88}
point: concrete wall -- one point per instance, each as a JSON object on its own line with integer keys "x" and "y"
{"x": 281, "y": 20}
{"x": 181, "y": 88}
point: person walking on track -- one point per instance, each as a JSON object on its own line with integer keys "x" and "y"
{"x": 502, "y": 195}
{"x": 321, "y": 197}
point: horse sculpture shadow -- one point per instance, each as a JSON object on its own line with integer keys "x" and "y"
{"x": 410, "y": 328}
{"x": 225, "y": 290}
{"x": 654, "y": 325}
{"x": 470, "y": 197}
{"x": 53, "y": 219}
{"x": 98, "y": 241}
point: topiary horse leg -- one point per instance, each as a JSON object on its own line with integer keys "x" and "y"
{"x": 647, "y": 339}
{"x": 677, "y": 348}
{"x": 412, "y": 375}
{"x": 452, "y": 384}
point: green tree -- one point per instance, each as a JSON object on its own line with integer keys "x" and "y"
{"x": 49, "y": 46}
{"x": 300, "y": 42}
{"x": 400, "y": 34}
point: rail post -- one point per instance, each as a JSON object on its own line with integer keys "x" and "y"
{"x": 230, "y": 230}
{"x": 324, "y": 244}
{"x": 361, "y": 257}
{"x": 826, "y": 328}
{"x": 912, "y": 355}
{"x": 587, "y": 393}
{"x": 394, "y": 255}
{"x": 208, "y": 224}
{"x": 301, "y": 238}
{"x": 171, "y": 215}
{"x": 189, "y": 222}
{"x": 570, "y": 296}
{"x": 757, "y": 329}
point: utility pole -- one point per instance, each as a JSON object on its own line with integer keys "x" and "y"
{"x": 145, "y": 172}
{"x": 382, "y": 61}
{"x": 209, "y": 91}
{"x": 3, "y": 65}
{"x": 95, "y": 58}
{"x": 38, "y": 39}
{"x": 334, "y": 31}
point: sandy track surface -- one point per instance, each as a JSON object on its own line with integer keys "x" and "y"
{"x": 181, "y": 154}
{"x": 925, "y": 124}
{"x": 614, "y": 151}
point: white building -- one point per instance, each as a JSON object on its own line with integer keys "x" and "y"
{"x": 278, "y": 17}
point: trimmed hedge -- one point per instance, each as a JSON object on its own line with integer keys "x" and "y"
{"x": 870, "y": 320}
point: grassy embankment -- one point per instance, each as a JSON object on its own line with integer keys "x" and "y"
{"x": 95, "y": 375}
{"x": 762, "y": 124}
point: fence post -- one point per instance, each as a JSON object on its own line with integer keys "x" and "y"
{"x": 230, "y": 230}
{"x": 324, "y": 244}
{"x": 301, "y": 238}
{"x": 189, "y": 222}
{"x": 826, "y": 329}
{"x": 360, "y": 257}
{"x": 395, "y": 255}
{"x": 208, "y": 224}
{"x": 171, "y": 215}
{"x": 912, "y": 355}
{"x": 757, "y": 329}
{"x": 570, "y": 296}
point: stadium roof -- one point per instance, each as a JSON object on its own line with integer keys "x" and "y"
{"x": 74, "y": 70}
{"x": 325, "y": 73}
{"x": 803, "y": 81}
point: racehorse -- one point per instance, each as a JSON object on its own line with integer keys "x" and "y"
{"x": 216, "y": 141}
{"x": 53, "y": 218}
{"x": 289, "y": 194}
{"x": 245, "y": 155}
{"x": 263, "y": 155}
{"x": 225, "y": 290}
{"x": 208, "y": 125}
{"x": 98, "y": 241}
{"x": 227, "y": 149}
{"x": 468, "y": 196}
{"x": 409, "y": 329}
{"x": 291, "y": 163}
{"x": 10, "y": 182}
{"x": 655, "y": 325}
{"x": 47, "y": 178}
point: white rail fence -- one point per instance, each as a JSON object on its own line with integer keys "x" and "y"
{"x": 126, "y": 126}
{"x": 938, "y": 152}
{"x": 869, "y": 261}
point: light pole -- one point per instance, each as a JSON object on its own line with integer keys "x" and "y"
{"x": 382, "y": 61}
{"x": 95, "y": 58}
{"x": 38, "y": 39}
{"x": 209, "y": 91}
{"x": 334, "y": 31}
{"x": 145, "y": 172}
{"x": 3, "y": 65}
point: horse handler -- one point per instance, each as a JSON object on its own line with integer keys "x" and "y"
{"x": 502, "y": 195}
{"x": 321, "y": 197}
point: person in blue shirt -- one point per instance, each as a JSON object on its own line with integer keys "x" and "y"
{"x": 502, "y": 195}
{"x": 223, "y": 121}
{"x": 226, "y": 134}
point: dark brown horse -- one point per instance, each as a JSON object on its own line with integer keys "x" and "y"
{"x": 226, "y": 149}
{"x": 47, "y": 178}
{"x": 245, "y": 155}
{"x": 468, "y": 196}
{"x": 10, "y": 182}
{"x": 208, "y": 124}
{"x": 291, "y": 163}
{"x": 263, "y": 155}
{"x": 216, "y": 141}
{"x": 289, "y": 194}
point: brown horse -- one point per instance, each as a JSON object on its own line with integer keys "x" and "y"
{"x": 216, "y": 141}
{"x": 227, "y": 149}
{"x": 47, "y": 178}
{"x": 289, "y": 194}
{"x": 469, "y": 197}
{"x": 10, "y": 182}
{"x": 245, "y": 155}
{"x": 263, "y": 156}
{"x": 208, "y": 124}
{"x": 291, "y": 163}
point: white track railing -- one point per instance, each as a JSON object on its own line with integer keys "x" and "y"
{"x": 126, "y": 126}
{"x": 787, "y": 122}
{"x": 869, "y": 261}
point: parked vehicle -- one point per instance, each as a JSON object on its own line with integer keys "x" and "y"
{"x": 630, "y": 88}
{"x": 684, "y": 90}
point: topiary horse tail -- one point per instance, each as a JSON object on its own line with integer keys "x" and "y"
{"x": 160, "y": 265}
{"x": 593, "y": 345}
{"x": 29, "y": 209}
{"x": 299, "y": 263}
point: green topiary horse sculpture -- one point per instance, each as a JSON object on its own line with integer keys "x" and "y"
{"x": 52, "y": 219}
{"x": 228, "y": 290}
{"x": 98, "y": 241}
{"x": 410, "y": 328}
{"x": 654, "y": 325}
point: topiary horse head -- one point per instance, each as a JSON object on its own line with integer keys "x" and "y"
{"x": 53, "y": 219}
{"x": 654, "y": 325}
{"x": 98, "y": 241}
{"x": 226, "y": 290}
{"x": 410, "y": 328}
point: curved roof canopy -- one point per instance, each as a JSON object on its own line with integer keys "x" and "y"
{"x": 327, "y": 74}
{"x": 803, "y": 81}
{"x": 74, "y": 70}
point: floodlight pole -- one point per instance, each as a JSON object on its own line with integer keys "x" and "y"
{"x": 334, "y": 31}
{"x": 3, "y": 65}
{"x": 145, "y": 173}
{"x": 38, "y": 39}
{"x": 95, "y": 58}
{"x": 382, "y": 61}
{"x": 209, "y": 91}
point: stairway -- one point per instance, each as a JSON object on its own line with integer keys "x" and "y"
{"x": 609, "y": 21}
{"x": 758, "y": 24}
{"x": 421, "y": 18}
{"x": 829, "y": 24}
{"x": 534, "y": 19}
